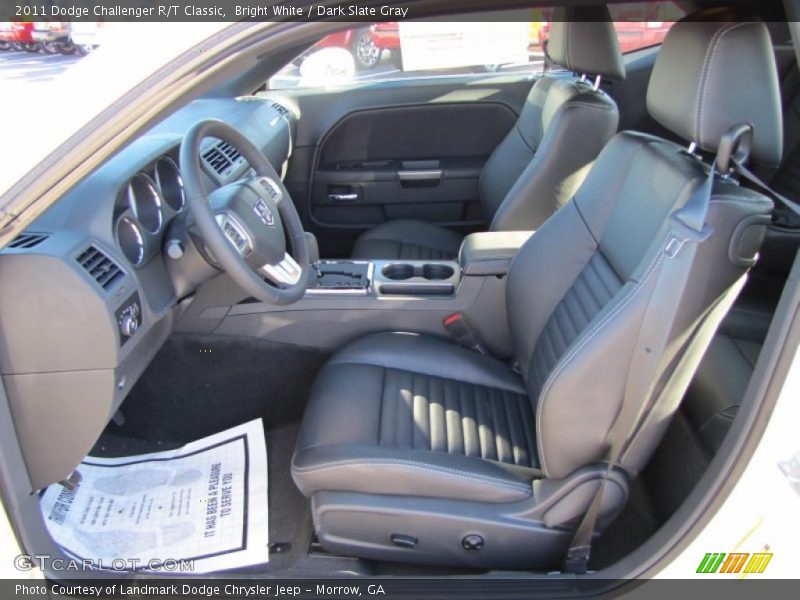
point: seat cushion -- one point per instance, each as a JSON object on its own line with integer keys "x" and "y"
{"x": 408, "y": 239}
{"x": 396, "y": 413}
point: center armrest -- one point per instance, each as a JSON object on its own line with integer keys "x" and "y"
{"x": 490, "y": 252}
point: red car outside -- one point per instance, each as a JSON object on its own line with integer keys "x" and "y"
{"x": 340, "y": 39}
{"x": 19, "y": 36}
{"x": 632, "y": 35}
{"x": 358, "y": 42}
{"x": 386, "y": 36}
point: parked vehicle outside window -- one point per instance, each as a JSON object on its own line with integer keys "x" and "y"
{"x": 391, "y": 51}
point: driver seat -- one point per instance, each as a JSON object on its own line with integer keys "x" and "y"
{"x": 415, "y": 449}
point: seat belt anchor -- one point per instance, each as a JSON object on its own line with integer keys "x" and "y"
{"x": 577, "y": 559}
{"x": 461, "y": 331}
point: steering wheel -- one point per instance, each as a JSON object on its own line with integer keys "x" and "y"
{"x": 242, "y": 223}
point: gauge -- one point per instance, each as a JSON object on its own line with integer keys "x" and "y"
{"x": 145, "y": 202}
{"x": 130, "y": 241}
{"x": 170, "y": 182}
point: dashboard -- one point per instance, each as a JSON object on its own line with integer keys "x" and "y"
{"x": 88, "y": 296}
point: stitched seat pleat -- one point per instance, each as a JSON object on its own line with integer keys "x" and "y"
{"x": 592, "y": 290}
{"x": 443, "y": 415}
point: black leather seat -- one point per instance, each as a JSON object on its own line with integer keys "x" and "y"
{"x": 417, "y": 415}
{"x": 412, "y": 448}
{"x": 544, "y": 158}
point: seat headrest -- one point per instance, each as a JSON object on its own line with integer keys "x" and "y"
{"x": 711, "y": 75}
{"x": 583, "y": 39}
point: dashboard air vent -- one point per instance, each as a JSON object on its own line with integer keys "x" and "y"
{"x": 229, "y": 151}
{"x": 222, "y": 158}
{"x": 104, "y": 270}
{"x": 280, "y": 109}
{"x": 28, "y": 240}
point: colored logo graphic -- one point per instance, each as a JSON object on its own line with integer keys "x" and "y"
{"x": 734, "y": 562}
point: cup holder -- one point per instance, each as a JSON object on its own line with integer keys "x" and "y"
{"x": 398, "y": 272}
{"x": 429, "y": 271}
{"x": 436, "y": 272}
{"x": 417, "y": 278}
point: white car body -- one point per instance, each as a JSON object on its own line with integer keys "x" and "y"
{"x": 90, "y": 33}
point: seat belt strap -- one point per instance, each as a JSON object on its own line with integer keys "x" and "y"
{"x": 747, "y": 174}
{"x": 732, "y": 156}
{"x": 687, "y": 230}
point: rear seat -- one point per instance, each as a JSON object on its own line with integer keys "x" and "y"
{"x": 713, "y": 398}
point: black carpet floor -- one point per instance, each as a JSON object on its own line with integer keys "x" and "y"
{"x": 675, "y": 468}
{"x": 198, "y": 386}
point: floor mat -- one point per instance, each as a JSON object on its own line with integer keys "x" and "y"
{"x": 194, "y": 509}
{"x": 198, "y": 385}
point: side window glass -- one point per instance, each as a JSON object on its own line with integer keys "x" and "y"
{"x": 643, "y": 25}
{"x": 408, "y": 50}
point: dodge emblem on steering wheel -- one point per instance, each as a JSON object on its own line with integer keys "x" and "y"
{"x": 264, "y": 213}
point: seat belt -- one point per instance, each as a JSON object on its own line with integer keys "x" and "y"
{"x": 747, "y": 174}
{"x": 734, "y": 150}
{"x": 689, "y": 229}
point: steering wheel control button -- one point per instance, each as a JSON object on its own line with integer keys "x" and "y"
{"x": 271, "y": 188}
{"x": 404, "y": 541}
{"x": 472, "y": 541}
{"x": 264, "y": 213}
{"x": 235, "y": 233}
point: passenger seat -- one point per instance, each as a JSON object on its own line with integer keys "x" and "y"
{"x": 545, "y": 157}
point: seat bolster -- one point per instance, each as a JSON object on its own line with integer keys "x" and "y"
{"x": 373, "y": 469}
{"x": 344, "y": 406}
{"x": 430, "y": 356}
{"x": 407, "y": 239}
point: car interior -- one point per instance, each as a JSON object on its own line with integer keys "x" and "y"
{"x": 439, "y": 294}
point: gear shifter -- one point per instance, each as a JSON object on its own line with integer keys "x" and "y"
{"x": 336, "y": 276}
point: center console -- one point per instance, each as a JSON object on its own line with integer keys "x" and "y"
{"x": 385, "y": 277}
{"x": 347, "y": 299}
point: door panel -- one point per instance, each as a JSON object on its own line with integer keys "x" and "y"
{"x": 419, "y": 162}
{"x": 403, "y": 149}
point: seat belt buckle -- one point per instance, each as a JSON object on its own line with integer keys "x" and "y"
{"x": 577, "y": 560}
{"x": 461, "y": 331}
